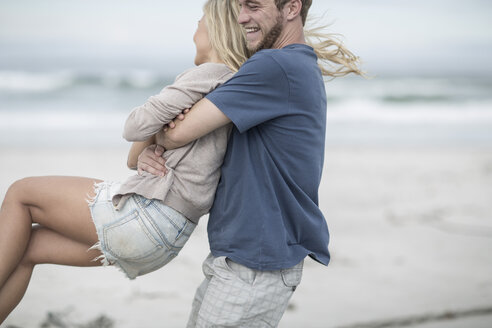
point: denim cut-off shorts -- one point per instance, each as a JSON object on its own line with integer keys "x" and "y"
{"x": 139, "y": 238}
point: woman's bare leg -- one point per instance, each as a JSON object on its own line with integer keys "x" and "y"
{"x": 56, "y": 203}
{"x": 45, "y": 246}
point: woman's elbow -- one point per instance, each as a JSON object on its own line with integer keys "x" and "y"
{"x": 131, "y": 136}
{"x": 133, "y": 131}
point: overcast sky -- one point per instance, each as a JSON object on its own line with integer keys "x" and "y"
{"x": 390, "y": 35}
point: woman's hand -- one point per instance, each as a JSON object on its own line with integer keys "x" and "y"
{"x": 151, "y": 161}
{"x": 172, "y": 125}
{"x": 136, "y": 149}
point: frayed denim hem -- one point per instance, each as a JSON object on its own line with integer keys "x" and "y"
{"x": 105, "y": 258}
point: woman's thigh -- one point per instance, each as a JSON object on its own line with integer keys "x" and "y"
{"x": 60, "y": 204}
{"x": 48, "y": 246}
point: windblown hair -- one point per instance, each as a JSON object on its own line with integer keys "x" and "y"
{"x": 334, "y": 58}
{"x": 226, "y": 36}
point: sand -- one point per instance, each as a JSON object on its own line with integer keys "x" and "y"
{"x": 411, "y": 246}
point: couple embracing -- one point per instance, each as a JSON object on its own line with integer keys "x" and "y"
{"x": 249, "y": 151}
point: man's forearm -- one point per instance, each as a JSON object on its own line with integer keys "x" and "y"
{"x": 161, "y": 138}
{"x": 203, "y": 118}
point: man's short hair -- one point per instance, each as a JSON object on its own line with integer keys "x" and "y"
{"x": 306, "y": 4}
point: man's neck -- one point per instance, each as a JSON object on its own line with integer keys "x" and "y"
{"x": 292, "y": 33}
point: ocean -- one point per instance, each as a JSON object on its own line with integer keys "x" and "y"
{"x": 55, "y": 106}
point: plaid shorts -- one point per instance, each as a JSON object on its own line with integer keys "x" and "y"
{"x": 233, "y": 295}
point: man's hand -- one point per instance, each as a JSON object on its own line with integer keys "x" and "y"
{"x": 151, "y": 161}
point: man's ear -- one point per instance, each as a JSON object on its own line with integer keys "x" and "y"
{"x": 292, "y": 9}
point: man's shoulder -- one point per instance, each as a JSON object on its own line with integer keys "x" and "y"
{"x": 285, "y": 58}
{"x": 262, "y": 65}
{"x": 266, "y": 56}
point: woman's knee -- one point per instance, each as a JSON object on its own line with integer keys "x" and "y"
{"x": 17, "y": 190}
{"x": 17, "y": 200}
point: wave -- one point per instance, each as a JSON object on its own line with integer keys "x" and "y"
{"x": 413, "y": 98}
{"x": 433, "y": 114}
{"x": 396, "y": 91}
{"x": 56, "y": 120}
{"x": 407, "y": 91}
{"x": 48, "y": 82}
{"x": 348, "y": 122}
{"x": 340, "y": 113}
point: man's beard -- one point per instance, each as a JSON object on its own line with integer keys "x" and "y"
{"x": 271, "y": 37}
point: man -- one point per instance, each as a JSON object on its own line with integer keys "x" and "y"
{"x": 265, "y": 219}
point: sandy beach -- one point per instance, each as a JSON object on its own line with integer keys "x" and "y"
{"x": 411, "y": 238}
{"x": 407, "y": 183}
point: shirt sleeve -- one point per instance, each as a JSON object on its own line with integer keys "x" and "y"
{"x": 146, "y": 120}
{"x": 257, "y": 93}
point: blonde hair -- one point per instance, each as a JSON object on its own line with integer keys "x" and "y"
{"x": 334, "y": 59}
{"x": 226, "y": 36}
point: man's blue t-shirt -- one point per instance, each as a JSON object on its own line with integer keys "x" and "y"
{"x": 265, "y": 214}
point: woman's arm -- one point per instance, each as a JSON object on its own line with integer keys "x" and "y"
{"x": 135, "y": 150}
{"x": 146, "y": 120}
{"x": 153, "y": 156}
{"x": 202, "y": 119}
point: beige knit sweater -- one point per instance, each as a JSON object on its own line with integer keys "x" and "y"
{"x": 194, "y": 169}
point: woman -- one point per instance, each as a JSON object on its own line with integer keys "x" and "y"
{"x": 142, "y": 224}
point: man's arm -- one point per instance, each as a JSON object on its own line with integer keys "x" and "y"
{"x": 203, "y": 118}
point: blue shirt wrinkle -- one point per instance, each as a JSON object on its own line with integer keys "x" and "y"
{"x": 266, "y": 214}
